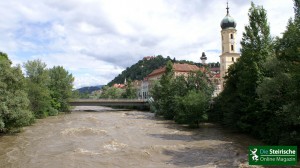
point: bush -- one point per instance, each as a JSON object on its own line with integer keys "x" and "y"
{"x": 191, "y": 109}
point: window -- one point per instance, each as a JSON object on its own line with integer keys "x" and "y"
{"x": 231, "y": 36}
{"x": 232, "y": 59}
{"x": 232, "y": 49}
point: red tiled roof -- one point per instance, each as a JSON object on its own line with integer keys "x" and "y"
{"x": 118, "y": 85}
{"x": 176, "y": 68}
{"x": 157, "y": 72}
{"x": 215, "y": 69}
{"x": 185, "y": 68}
{"x": 217, "y": 76}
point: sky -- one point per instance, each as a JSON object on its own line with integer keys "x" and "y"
{"x": 95, "y": 40}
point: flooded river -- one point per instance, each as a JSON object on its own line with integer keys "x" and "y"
{"x": 107, "y": 138}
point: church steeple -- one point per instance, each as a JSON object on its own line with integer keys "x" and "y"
{"x": 227, "y": 9}
{"x": 229, "y": 54}
{"x": 228, "y": 21}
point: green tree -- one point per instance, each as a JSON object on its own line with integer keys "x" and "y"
{"x": 14, "y": 103}
{"x": 191, "y": 108}
{"x": 156, "y": 96}
{"x": 166, "y": 103}
{"x": 238, "y": 102}
{"x": 111, "y": 92}
{"x": 4, "y": 57}
{"x": 280, "y": 90}
{"x": 192, "y": 98}
{"x": 297, "y": 10}
{"x": 130, "y": 91}
{"x": 37, "y": 79}
{"x": 60, "y": 85}
{"x": 183, "y": 98}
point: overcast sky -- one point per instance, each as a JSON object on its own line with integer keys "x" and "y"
{"x": 95, "y": 40}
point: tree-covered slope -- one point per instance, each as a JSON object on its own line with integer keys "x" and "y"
{"x": 140, "y": 70}
{"x": 144, "y": 67}
{"x": 89, "y": 89}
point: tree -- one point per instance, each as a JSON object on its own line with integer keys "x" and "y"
{"x": 191, "y": 108}
{"x": 130, "y": 91}
{"x": 37, "y": 79}
{"x": 183, "y": 98}
{"x": 167, "y": 100}
{"x": 4, "y": 57}
{"x": 14, "y": 103}
{"x": 192, "y": 97}
{"x": 279, "y": 92}
{"x": 111, "y": 92}
{"x": 60, "y": 85}
{"x": 238, "y": 102}
{"x": 297, "y": 10}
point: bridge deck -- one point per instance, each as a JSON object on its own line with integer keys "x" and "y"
{"x": 108, "y": 102}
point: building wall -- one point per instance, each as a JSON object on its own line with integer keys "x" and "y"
{"x": 228, "y": 40}
{"x": 229, "y": 54}
{"x": 148, "y": 83}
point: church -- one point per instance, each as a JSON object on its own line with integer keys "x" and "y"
{"x": 229, "y": 54}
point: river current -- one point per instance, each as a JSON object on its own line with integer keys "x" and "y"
{"x": 114, "y": 138}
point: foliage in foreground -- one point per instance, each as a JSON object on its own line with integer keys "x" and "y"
{"x": 262, "y": 91}
{"x": 41, "y": 93}
{"x": 14, "y": 103}
{"x": 183, "y": 99}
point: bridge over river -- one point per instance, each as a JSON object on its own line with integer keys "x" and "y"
{"x": 109, "y": 102}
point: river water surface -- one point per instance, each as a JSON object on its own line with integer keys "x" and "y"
{"x": 110, "y": 138}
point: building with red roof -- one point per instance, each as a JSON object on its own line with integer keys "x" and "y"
{"x": 179, "y": 69}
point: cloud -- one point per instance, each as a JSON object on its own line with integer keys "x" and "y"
{"x": 97, "y": 39}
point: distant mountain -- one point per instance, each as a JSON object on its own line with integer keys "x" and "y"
{"x": 144, "y": 67}
{"x": 89, "y": 89}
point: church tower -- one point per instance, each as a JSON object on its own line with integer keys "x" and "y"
{"x": 229, "y": 54}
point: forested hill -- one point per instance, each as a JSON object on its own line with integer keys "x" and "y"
{"x": 141, "y": 69}
{"x": 144, "y": 67}
{"x": 89, "y": 89}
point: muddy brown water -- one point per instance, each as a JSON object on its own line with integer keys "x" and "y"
{"x": 112, "y": 138}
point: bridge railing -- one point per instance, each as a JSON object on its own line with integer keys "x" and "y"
{"x": 108, "y": 100}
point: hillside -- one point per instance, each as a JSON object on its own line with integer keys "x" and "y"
{"x": 140, "y": 70}
{"x": 89, "y": 89}
{"x": 144, "y": 67}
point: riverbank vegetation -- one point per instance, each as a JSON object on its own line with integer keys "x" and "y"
{"x": 184, "y": 99}
{"x": 262, "y": 91}
{"x": 41, "y": 92}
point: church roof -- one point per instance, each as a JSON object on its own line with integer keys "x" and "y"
{"x": 228, "y": 21}
{"x": 177, "y": 68}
